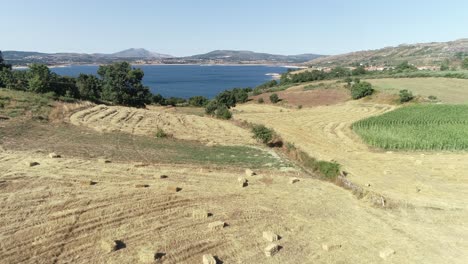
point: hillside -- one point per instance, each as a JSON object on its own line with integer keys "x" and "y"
{"x": 26, "y": 57}
{"x": 420, "y": 54}
{"x": 138, "y": 53}
{"x": 250, "y": 56}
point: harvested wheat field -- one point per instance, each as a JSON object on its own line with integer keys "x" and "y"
{"x": 147, "y": 122}
{"x": 73, "y": 210}
{"x": 427, "y": 179}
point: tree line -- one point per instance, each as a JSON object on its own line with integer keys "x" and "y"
{"x": 118, "y": 83}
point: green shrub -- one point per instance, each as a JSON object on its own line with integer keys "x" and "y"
{"x": 262, "y": 133}
{"x": 198, "y": 101}
{"x": 432, "y": 97}
{"x": 299, "y": 107}
{"x": 222, "y": 112}
{"x": 361, "y": 89}
{"x": 329, "y": 170}
{"x": 405, "y": 96}
{"x": 161, "y": 133}
{"x": 260, "y": 100}
{"x": 274, "y": 98}
{"x": 211, "y": 107}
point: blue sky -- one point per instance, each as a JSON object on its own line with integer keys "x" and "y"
{"x": 180, "y": 27}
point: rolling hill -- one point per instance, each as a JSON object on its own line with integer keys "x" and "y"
{"x": 250, "y": 56}
{"x": 27, "y": 57}
{"x": 419, "y": 54}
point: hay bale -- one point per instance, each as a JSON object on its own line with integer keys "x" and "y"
{"x": 174, "y": 189}
{"x": 209, "y": 259}
{"x": 243, "y": 182}
{"x": 293, "y": 180}
{"x": 104, "y": 161}
{"x": 200, "y": 214}
{"x": 87, "y": 182}
{"x": 32, "y": 163}
{"x": 386, "y": 253}
{"x": 140, "y": 164}
{"x": 54, "y": 155}
{"x": 249, "y": 172}
{"x": 141, "y": 185}
{"x": 112, "y": 245}
{"x": 146, "y": 255}
{"x": 218, "y": 225}
{"x": 271, "y": 250}
{"x": 270, "y": 236}
{"x": 330, "y": 247}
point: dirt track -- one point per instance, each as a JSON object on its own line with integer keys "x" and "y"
{"x": 49, "y": 216}
{"x": 147, "y": 122}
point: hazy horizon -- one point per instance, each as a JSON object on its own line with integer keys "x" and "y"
{"x": 182, "y": 28}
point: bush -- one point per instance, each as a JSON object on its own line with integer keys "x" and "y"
{"x": 160, "y": 133}
{"x": 198, "y": 101}
{"x": 211, "y": 107}
{"x": 262, "y": 133}
{"x": 274, "y": 98}
{"x": 260, "y": 100}
{"x": 299, "y": 107}
{"x": 432, "y": 97}
{"x": 222, "y": 112}
{"x": 405, "y": 96}
{"x": 329, "y": 170}
{"x": 361, "y": 89}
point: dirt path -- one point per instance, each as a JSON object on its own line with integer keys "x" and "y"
{"x": 48, "y": 215}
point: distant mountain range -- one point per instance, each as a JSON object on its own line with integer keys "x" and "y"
{"x": 143, "y": 56}
{"x": 420, "y": 54}
{"x": 243, "y": 56}
{"x": 138, "y": 53}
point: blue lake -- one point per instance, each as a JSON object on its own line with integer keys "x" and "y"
{"x": 190, "y": 80}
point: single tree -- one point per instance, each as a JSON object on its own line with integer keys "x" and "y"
{"x": 122, "y": 84}
{"x": 274, "y": 98}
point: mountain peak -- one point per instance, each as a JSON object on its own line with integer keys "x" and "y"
{"x": 138, "y": 53}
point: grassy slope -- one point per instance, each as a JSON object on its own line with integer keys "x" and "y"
{"x": 28, "y": 129}
{"x": 446, "y": 90}
{"x": 418, "y": 127}
{"x": 17, "y": 103}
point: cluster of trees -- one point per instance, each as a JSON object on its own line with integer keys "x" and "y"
{"x": 317, "y": 75}
{"x": 117, "y": 83}
{"x": 220, "y": 105}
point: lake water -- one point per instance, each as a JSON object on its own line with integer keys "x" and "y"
{"x": 191, "y": 80}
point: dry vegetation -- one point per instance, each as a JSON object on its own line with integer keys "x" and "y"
{"x": 117, "y": 194}
{"x": 454, "y": 91}
{"x": 147, "y": 122}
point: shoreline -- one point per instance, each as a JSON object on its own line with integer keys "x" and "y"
{"x": 19, "y": 67}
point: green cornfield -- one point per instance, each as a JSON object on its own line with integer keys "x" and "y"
{"x": 418, "y": 127}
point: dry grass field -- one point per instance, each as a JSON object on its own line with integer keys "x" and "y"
{"x": 107, "y": 187}
{"x": 146, "y": 122}
{"x": 446, "y": 90}
{"x": 52, "y": 214}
